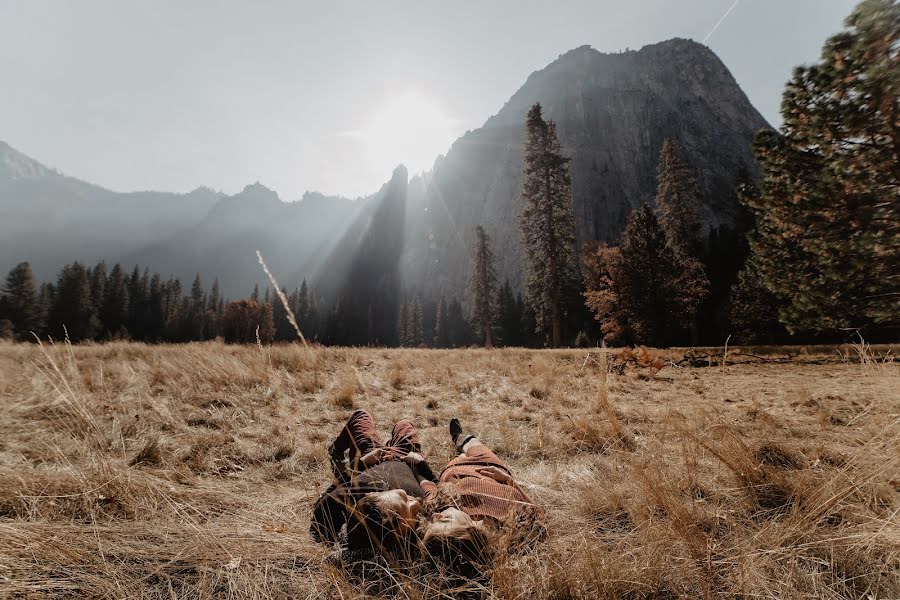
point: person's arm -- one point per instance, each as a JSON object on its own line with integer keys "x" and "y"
{"x": 329, "y": 515}
{"x": 501, "y": 476}
{"x": 420, "y": 467}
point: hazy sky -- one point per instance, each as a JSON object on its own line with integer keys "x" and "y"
{"x": 331, "y": 95}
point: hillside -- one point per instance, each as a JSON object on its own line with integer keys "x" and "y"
{"x": 613, "y": 112}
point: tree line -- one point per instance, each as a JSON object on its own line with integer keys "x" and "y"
{"x": 819, "y": 261}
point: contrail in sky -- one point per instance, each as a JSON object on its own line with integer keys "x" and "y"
{"x": 716, "y": 26}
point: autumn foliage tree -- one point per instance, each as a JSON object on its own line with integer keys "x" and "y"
{"x": 483, "y": 285}
{"x": 242, "y": 320}
{"x": 547, "y": 223}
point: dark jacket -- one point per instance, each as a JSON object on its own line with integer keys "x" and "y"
{"x": 335, "y": 504}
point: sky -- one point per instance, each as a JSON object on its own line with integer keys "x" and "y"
{"x": 329, "y": 96}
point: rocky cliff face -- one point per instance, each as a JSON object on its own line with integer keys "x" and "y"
{"x": 613, "y": 112}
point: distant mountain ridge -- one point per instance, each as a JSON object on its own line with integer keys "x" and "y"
{"x": 613, "y": 112}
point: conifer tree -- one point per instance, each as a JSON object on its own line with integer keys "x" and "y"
{"x": 156, "y": 317}
{"x": 509, "y": 316}
{"x": 73, "y": 308}
{"x": 114, "y": 314}
{"x": 753, "y": 309}
{"x": 196, "y": 311}
{"x": 254, "y": 295}
{"x": 640, "y": 292}
{"x": 678, "y": 207}
{"x": 403, "y": 324}
{"x": 483, "y": 285}
{"x": 415, "y": 326}
{"x": 677, "y": 199}
{"x": 441, "y": 333}
{"x": 98, "y": 277}
{"x": 547, "y": 222}
{"x": 457, "y": 325}
{"x": 827, "y": 242}
{"x": 21, "y": 303}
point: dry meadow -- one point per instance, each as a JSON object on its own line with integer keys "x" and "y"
{"x": 189, "y": 471}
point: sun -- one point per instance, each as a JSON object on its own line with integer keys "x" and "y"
{"x": 408, "y": 128}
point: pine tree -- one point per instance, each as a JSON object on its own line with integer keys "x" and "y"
{"x": 483, "y": 285}
{"x": 254, "y": 295}
{"x": 156, "y": 310}
{"x": 441, "y": 333}
{"x": 827, "y": 240}
{"x": 457, "y": 325}
{"x": 114, "y": 313}
{"x": 403, "y": 324}
{"x": 73, "y": 309}
{"x": 138, "y": 289}
{"x": 21, "y": 303}
{"x": 678, "y": 207}
{"x": 641, "y": 292}
{"x": 213, "y": 311}
{"x": 196, "y": 312}
{"x": 547, "y": 223}
{"x": 510, "y": 317}
{"x": 753, "y": 309}
{"x": 415, "y": 326}
{"x": 98, "y": 277}
{"x": 46, "y": 298}
{"x": 677, "y": 199}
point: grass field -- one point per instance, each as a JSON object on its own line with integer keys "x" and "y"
{"x": 190, "y": 471}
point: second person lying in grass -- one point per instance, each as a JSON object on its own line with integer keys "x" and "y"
{"x": 372, "y": 506}
{"x": 477, "y": 510}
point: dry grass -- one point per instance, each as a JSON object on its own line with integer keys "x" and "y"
{"x": 190, "y": 471}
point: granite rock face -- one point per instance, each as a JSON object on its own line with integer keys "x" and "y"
{"x": 613, "y": 112}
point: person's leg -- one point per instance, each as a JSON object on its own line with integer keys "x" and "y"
{"x": 359, "y": 436}
{"x": 405, "y": 437}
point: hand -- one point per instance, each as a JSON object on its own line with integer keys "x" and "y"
{"x": 374, "y": 457}
{"x": 413, "y": 459}
{"x": 497, "y": 474}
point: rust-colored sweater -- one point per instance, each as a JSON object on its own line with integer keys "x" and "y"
{"x": 480, "y": 496}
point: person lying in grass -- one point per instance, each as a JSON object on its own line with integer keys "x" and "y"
{"x": 477, "y": 510}
{"x": 375, "y": 501}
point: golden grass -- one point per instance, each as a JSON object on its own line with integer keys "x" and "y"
{"x": 190, "y": 471}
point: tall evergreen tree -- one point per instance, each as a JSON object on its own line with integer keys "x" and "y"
{"x": 483, "y": 285}
{"x": 196, "y": 311}
{"x": 457, "y": 325}
{"x": 254, "y": 295}
{"x": 827, "y": 238}
{"x": 441, "y": 332}
{"x": 415, "y": 325}
{"x": 73, "y": 308}
{"x": 547, "y": 222}
{"x": 403, "y": 324}
{"x": 639, "y": 291}
{"x": 156, "y": 309}
{"x": 98, "y": 276}
{"x": 509, "y": 316}
{"x": 21, "y": 303}
{"x": 677, "y": 199}
{"x": 114, "y": 314}
{"x": 678, "y": 207}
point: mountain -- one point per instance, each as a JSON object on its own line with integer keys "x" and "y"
{"x": 50, "y": 219}
{"x": 613, "y": 112}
